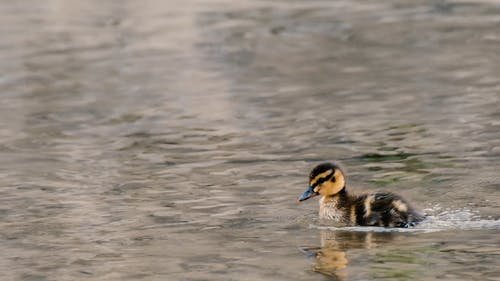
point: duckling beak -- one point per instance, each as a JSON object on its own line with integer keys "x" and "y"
{"x": 308, "y": 194}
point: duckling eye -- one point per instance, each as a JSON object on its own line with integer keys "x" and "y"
{"x": 321, "y": 181}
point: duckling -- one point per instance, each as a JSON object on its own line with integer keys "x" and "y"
{"x": 372, "y": 209}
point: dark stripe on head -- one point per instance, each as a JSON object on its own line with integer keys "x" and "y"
{"x": 322, "y": 180}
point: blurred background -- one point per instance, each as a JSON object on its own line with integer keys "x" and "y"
{"x": 166, "y": 140}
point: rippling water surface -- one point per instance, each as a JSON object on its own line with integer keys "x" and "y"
{"x": 166, "y": 140}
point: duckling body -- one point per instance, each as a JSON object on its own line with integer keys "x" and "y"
{"x": 371, "y": 209}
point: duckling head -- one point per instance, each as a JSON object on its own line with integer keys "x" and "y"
{"x": 326, "y": 179}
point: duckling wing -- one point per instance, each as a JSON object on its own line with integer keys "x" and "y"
{"x": 390, "y": 210}
{"x": 372, "y": 209}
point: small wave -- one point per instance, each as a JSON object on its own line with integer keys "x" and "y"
{"x": 436, "y": 220}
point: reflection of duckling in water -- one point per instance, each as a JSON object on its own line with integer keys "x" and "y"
{"x": 331, "y": 258}
{"x": 373, "y": 209}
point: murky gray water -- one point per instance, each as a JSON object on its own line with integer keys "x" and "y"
{"x": 161, "y": 140}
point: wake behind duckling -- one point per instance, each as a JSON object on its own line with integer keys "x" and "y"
{"x": 436, "y": 220}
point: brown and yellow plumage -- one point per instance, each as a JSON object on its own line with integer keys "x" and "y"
{"x": 373, "y": 209}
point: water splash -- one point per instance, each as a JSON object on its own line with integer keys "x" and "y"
{"x": 464, "y": 219}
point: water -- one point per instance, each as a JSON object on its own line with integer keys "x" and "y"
{"x": 169, "y": 141}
